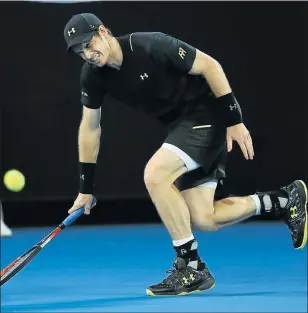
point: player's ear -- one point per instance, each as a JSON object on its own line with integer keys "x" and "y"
{"x": 103, "y": 31}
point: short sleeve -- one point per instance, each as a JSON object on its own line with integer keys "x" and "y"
{"x": 174, "y": 52}
{"x": 92, "y": 91}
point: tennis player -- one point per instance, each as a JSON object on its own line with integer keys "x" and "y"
{"x": 187, "y": 90}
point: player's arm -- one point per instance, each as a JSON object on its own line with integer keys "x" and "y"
{"x": 213, "y": 72}
{"x": 227, "y": 106}
{"x": 88, "y": 146}
{"x": 89, "y": 135}
{"x": 92, "y": 95}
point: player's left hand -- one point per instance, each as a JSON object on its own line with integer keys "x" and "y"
{"x": 241, "y": 135}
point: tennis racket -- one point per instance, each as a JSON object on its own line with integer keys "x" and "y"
{"x": 16, "y": 266}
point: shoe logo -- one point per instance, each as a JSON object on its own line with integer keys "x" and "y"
{"x": 294, "y": 212}
{"x": 186, "y": 280}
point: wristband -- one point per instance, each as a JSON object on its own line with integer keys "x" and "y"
{"x": 87, "y": 173}
{"x": 229, "y": 110}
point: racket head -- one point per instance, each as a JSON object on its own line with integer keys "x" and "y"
{"x": 17, "y": 265}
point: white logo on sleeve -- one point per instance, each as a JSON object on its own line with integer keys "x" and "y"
{"x": 72, "y": 31}
{"x": 144, "y": 76}
{"x": 232, "y": 107}
{"x": 82, "y": 177}
{"x": 182, "y": 53}
{"x": 84, "y": 94}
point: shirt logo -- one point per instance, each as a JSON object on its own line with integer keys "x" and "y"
{"x": 84, "y": 94}
{"x": 182, "y": 53}
{"x": 232, "y": 107}
{"x": 72, "y": 31}
{"x": 144, "y": 76}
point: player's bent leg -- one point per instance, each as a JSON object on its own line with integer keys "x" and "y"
{"x": 288, "y": 202}
{"x": 200, "y": 142}
{"x": 207, "y": 215}
{"x": 159, "y": 174}
{"x": 190, "y": 274}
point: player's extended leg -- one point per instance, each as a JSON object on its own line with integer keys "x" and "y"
{"x": 289, "y": 202}
{"x": 190, "y": 274}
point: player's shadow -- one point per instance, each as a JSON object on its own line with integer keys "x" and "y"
{"x": 234, "y": 294}
{"x": 72, "y": 304}
{"x": 123, "y": 301}
{"x": 245, "y": 294}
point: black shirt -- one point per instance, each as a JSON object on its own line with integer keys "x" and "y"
{"x": 153, "y": 77}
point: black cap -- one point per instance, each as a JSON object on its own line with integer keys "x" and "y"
{"x": 80, "y": 29}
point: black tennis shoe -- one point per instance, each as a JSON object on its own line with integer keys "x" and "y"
{"x": 295, "y": 212}
{"x": 183, "y": 280}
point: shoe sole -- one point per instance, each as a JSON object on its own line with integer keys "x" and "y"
{"x": 201, "y": 288}
{"x": 306, "y": 222}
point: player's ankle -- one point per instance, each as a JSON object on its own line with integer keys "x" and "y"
{"x": 189, "y": 252}
{"x": 270, "y": 202}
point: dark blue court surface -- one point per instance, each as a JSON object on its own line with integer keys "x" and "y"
{"x": 107, "y": 269}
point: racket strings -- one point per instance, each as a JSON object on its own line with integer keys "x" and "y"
{"x": 19, "y": 263}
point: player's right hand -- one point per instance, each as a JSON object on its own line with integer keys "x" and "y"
{"x": 241, "y": 135}
{"x": 83, "y": 201}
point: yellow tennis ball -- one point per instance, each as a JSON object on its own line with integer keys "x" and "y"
{"x": 14, "y": 180}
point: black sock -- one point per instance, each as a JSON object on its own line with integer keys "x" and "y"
{"x": 189, "y": 252}
{"x": 273, "y": 202}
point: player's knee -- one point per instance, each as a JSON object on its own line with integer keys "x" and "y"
{"x": 155, "y": 176}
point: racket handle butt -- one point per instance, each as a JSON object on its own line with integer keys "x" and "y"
{"x": 73, "y": 217}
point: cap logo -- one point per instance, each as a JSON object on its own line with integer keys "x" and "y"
{"x": 72, "y": 31}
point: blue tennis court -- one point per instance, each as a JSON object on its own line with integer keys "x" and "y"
{"x": 107, "y": 269}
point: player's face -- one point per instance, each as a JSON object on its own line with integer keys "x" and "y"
{"x": 97, "y": 51}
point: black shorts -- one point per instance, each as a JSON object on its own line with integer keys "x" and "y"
{"x": 202, "y": 136}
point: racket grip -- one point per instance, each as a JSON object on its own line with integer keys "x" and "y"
{"x": 73, "y": 217}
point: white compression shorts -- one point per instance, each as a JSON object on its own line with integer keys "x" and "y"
{"x": 189, "y": 162}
